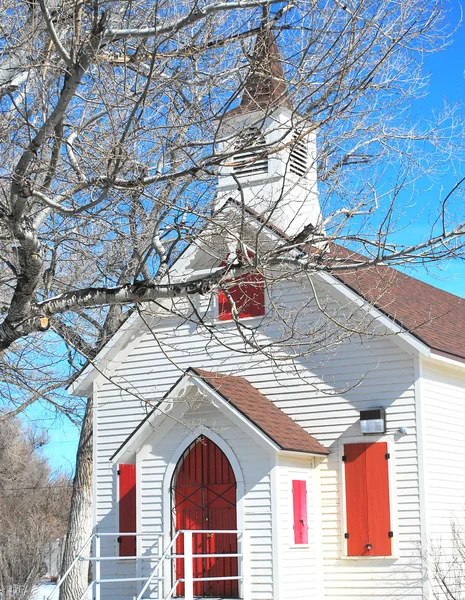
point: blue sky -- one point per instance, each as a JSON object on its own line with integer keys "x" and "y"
{"x": 447, "y": 83}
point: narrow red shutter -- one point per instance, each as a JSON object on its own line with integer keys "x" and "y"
{"x": 379, "y": 514}
{"x": 356, "y": 500}
{"x": 299, "y": 499}
{"x": 127, "y": 509}
{"x": 367, "y": 500}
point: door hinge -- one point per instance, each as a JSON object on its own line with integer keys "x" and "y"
{"x": 117, "y": 472}
{"x": 387, "y": 456}
{"x": 346, "y": 535}
{"x": 118, "y": 539}
{"x": 344, "y": 458}
{"x": 390, "y": 534}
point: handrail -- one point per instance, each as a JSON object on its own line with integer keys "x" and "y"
{"x": 155, "y": 569}
{"x": 76, "y": 558}
{"x": 171, "y": 592}
{"x": 188, "y": 557}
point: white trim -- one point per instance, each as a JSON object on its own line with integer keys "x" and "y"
{"x": 133, "y": 444}
{"x": 171, "y": 467}
{"x": 371, "y": 439}
{"x": 95, "y": 407}
{"x": 139, "y": 538}
{"x": 319, "y": 561}
{"x": 80, "y": 386}
{"x": 448, "y": 361}
{"x": 422, "y": 458}
{"x": 276, "y": 540}
{"x": 304, "y": 455}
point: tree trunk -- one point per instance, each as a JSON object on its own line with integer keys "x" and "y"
{"x": 80, "y": 516}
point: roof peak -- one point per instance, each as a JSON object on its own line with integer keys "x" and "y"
{"x": 265, "y": 85}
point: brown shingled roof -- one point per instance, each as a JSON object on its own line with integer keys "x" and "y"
{"x": 265, "y": 86}
{"x": 434, "y": 316}
{"x": 258, "y": 409}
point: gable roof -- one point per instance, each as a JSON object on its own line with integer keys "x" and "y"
{"x": 433, "y": 316}
{"x": 240, "y": 396}
{"x": 261, "y": 411}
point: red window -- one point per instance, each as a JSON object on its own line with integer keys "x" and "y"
{"x": 127, "y": 509}
{"x": 299, "y": 500}
{"x": 368, "y": 516}
{"x": 248, "y": 294}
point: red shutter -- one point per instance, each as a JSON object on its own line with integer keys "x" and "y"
{"x": 356, "y": 500}
{"x": 367, "y": 500}
{"x": 127, "y": 509}
{"x": 248, "y": 295}
{"x": 378, "y": 499}
{"x": 299, "y": 499}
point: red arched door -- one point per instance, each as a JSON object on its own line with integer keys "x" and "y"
{"x": 204, "y": 497}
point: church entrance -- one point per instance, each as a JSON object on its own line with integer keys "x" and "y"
{"x": 204, "y": 498}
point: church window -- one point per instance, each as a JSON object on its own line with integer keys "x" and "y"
{"x": 248, "y": 294}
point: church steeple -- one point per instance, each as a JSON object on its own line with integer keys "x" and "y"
{"x": 272, "y": 164}
{"x": 265, "y": 86}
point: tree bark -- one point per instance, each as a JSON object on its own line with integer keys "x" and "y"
{"x": 80, "y": 516}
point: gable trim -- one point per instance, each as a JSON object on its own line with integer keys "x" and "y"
{"x": 134, "y": 441}
{"x": 403, "y": 338}
{"x": 137, "y": 437}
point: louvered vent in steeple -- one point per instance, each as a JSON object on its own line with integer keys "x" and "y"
{"x": 298, "y": 161}
{"x": 252, "y": 159}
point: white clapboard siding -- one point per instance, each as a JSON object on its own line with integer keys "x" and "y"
{"x": 443, "y": 421}
{"x": 324, "y": 393}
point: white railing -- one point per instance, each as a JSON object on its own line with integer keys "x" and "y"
{"x": 164, "y": 555}
{"x": 189, "y": 557}
{"x": 156, "y": 570}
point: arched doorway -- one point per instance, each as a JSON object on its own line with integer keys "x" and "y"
{"x": 203, "y": 496}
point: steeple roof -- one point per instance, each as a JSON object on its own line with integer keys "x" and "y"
{"x": 265, "y": 86}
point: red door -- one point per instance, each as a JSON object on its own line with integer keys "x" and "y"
{"x": 204, "y": 497}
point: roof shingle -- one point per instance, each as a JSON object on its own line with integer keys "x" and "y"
{"x": 435, "y": 317}
{"x": 261, "y": 411}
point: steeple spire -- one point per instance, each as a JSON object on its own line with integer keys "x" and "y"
{"x": 265, "y": 86}
{"x": 271, "y": 164}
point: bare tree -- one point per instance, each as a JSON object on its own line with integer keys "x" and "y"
{"x": 114, "y": 123}
{"x": 33, "y": 509}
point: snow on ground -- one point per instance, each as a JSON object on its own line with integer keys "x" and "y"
{"x": 43, "y": 590}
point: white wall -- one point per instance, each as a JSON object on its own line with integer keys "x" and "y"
{"x": 443, "y": 419}
{"x": 367, "y": 372}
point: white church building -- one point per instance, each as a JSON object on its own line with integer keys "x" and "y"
{"x": 322, "y": 471}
